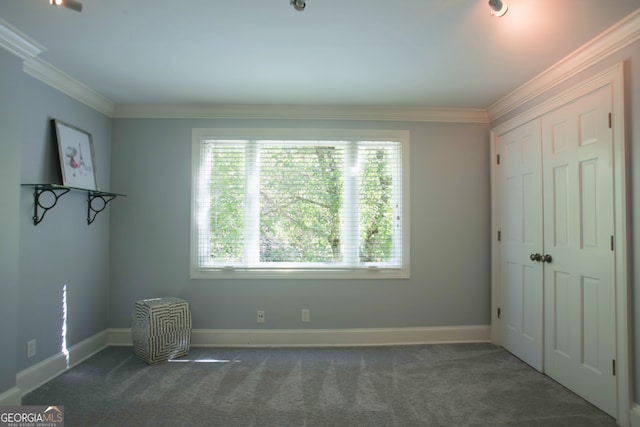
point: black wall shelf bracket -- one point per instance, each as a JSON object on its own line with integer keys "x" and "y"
{"x": 38, "y": 191}
{"x": 94, "y": 209}
{"x": 96, "y": 200}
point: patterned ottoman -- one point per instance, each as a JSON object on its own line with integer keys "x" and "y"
{"x": 161, "y": 329}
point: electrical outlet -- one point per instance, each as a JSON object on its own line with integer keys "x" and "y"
{"x": 306, "y": 315}
{"x": 260, "y": 316}
{"x": 31, "y": 349}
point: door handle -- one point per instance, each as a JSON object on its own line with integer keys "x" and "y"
{"x": 546, "y": 258}
{"x": 535, "y": 257}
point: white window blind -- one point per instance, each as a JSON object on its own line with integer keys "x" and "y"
{"x": 298, "y": 205}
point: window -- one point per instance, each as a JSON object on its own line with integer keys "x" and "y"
{"x": 303, "y": 204}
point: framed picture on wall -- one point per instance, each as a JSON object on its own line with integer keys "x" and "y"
{"x": 77, "y": 159}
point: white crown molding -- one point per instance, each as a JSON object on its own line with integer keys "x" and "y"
{"x": 28, "y": 49}
{"x": 611, "y": 75}
{"x": 412, "y": 114}
{"x": 18, "y": 43}
{"x": 66, "y": 84}
{"x": 617, "y": 37}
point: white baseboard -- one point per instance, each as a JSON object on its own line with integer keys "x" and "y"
{"x": 634, "y": 415}
{"x": 323, "y": 337}
{"x": 11, "y": 397}
{"x": 120, "y": 337}
{"x": 38, "y": 374}
{"x": 87, "y": 348}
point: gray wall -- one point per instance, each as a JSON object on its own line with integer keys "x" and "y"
{"x": 62, "y": 249}
{"x": 10, "y": 151}
{"x": 450, "y": 260}
{"x": 631, "y": 58}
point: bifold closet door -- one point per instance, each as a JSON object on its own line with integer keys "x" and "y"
{"x": 521, "y": 236}
{"x": 578, "y": 231}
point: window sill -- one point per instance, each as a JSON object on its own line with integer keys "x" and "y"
{"x": 358, "y": 274}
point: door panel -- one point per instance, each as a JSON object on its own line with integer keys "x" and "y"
{"x": 560, "y": 205}
{"x": 578, "y": 215}
{"x": 561, "y": 311}
{"x": 521, "y": 213}
{"x": 531, "y": 292}
{"x": 588, "y": 180}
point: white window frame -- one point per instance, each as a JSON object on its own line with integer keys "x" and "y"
{"x": 375, "y": 271}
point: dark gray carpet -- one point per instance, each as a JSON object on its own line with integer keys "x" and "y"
{"x": 425, "y": 385}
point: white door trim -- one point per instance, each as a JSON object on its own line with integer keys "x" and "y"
{"x": 613, "y": 76}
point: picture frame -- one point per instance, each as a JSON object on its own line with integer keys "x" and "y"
{"x": 77, "y": 157}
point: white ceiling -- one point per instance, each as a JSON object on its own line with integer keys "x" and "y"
{"x": 427, "y": 53}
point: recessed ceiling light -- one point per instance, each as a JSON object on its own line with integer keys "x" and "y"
{"x": 498, "y": 7}
{"x": 71, "y": 4}
{"x": 298, "y": 5}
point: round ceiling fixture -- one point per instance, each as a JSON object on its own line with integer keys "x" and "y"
{"x": 298, "y": 5}
{"x": 498, "y": 7}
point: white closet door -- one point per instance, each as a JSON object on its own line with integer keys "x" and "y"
{"x": 578, "y": 228}
{"x": 521, "y": 236}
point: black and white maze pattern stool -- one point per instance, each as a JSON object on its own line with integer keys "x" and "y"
{"x": 161, "y": 329}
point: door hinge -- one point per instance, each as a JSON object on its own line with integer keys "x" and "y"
{"x": 611, "y": 242}
{"x": 613, "y": 367}
{"x": 498, "y": 158}
{"x": 499, "y": 312}
{"x": 499, "y": 235}
{"x": 610, "y": 119}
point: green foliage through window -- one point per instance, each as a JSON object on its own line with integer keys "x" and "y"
{"x": 299, "y": 204}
